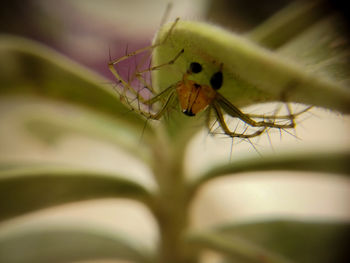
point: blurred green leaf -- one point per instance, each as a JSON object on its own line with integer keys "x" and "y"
{"x": 313, "y": 35}
{"x": 28, "y": 188}
{"x": 67, "y": 243}
{"x": 288, "y": 23}
{"x": 323, "y": 49}
{"x": 252, "y": 74}
{"x": 298, "y": 241}
{"x": 27, "y": 67}
{"x": 50, "y": 122}
{"x": 337, "y": 163}
{"x": 238, "y": 249}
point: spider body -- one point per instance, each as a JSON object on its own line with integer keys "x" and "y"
{"x": 194, "y": 97}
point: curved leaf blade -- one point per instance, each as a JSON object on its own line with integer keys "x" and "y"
{"x": 30, "y": 68}
{"x": 26, "y": 189}
{"x": 67, "y": 243}
{"x": 288, "y": 23}
{"x": 252, "y": 74}
{"x": 236, "y": 248}
{"x": 299, "y": 241}
{"x": 323, "y": 50}
{"x": 50, "y": 123}
{"x": 312, "y": 162}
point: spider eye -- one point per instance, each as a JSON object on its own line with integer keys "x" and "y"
{"x": 216, "y": 80}
{"x": 195, "y": 67}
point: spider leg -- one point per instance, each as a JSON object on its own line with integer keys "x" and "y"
{"x": 113, "y": 63}
{"x": 141, "y": 79}
{"x": 226, "y": 129}
{"x": 166, "y": 96}
{"x": 280, "y": 117}
{"x": 233, "y": 111}
{"x": 157, "y": 115}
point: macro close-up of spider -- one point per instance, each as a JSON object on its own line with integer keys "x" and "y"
{"x": 200, "y": 131}
{"x": 194, "y": 97}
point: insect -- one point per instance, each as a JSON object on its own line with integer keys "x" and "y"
{"x": 195, "y": 97}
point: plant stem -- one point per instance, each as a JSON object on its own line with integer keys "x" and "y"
{"x": 171, "y": 204}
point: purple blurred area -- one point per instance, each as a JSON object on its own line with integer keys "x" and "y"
{"x": 90, "y": 32}
{"x": 80, "y": 31}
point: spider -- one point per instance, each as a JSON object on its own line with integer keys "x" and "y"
{"x": 195, "y": 97}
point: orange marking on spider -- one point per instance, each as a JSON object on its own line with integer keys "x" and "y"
{"x": 194, "y": 97}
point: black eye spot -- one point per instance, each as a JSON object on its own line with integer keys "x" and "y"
{"x": 216, "y": 80}
{"x": 195, "y": 67}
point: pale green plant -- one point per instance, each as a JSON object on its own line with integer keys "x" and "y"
{"x": 317, "y": 74}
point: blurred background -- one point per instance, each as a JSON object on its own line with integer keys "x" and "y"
{"x": 88, "y": 32}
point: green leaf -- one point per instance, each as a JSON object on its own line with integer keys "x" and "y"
{"x": 288, "y": 23}
{"x": 50, "y": 122}
{"x": 66, "y": 243}
{"x": 236, "y": 248}
{"x": 309, "y": 162}
{"x": 27, "y": 67}
{"x": 323, "y": 50}
{"x": 252, "y": 74}
{"x": 297, "y": 241}
{"x": 311, "y": 34}
{"x": 28, "y": 188}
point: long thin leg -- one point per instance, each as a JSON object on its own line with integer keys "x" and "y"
{"x": 140, "y": 77}
{"x": 112, "y": 63}
{"x": 168, "y": 102}
{"x": 227, "y": 131}
{"x": 170, "y": 62}
{"x": 233, "y": 111}
{"x": 280, "y": 117}
{"x": 126, "y": 84}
